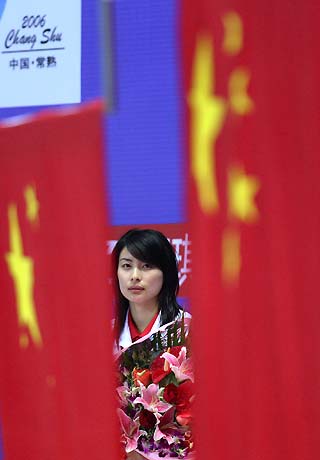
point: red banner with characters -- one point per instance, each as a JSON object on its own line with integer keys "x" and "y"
{"x": 56, "y": 387}
{"x": 251, "y": 85}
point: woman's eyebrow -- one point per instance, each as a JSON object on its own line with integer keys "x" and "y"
{"x": 124, "y": 258}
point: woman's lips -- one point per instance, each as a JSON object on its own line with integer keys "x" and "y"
{"x": 136, "y": 288}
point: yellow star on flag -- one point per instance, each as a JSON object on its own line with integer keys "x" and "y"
{"x": 22, "y": 271}
{"x": 32, "y": 204}
{"x": 231, "y": 256}
{"x": 233, "y": 33}
{"x": 208, "y": 113}
{"x": 240, "y": 101}
{"x": 242, "y": 190}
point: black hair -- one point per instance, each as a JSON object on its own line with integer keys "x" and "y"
{"x": 152, "y": 247}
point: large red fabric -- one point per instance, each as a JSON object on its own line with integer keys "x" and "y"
{"x": 251, "y": 84}
{"x": 56, "y": 387}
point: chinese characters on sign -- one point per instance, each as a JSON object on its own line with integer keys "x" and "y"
{"x": 183, "y": 253}
{"x": 40, "y": 48}
{"x": 26, "y": 63}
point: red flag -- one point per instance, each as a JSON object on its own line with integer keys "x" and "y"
{"x": 56, "y": 372}
{"x": 252, "y": 101}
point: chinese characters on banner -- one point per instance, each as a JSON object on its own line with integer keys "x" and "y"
{"x": 252, "y": 102}
{"x": 56, "y": 386}
{"x": 40, "y": 53}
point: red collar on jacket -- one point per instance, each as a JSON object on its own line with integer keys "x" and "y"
{"x": 134, "y": 332}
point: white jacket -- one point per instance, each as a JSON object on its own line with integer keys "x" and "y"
{"x": 125, "y": 337}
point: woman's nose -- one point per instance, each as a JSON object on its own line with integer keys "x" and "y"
{"x": 136, "y": 274}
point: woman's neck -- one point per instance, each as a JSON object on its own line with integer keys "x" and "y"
{"x": 142, "y": 315}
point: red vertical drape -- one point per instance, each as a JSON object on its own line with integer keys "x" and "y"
{"x": 251, "y": 84}
{"x": 56, "y": 386}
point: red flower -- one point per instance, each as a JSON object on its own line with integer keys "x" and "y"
{"x": 181, "y": 396}
{"x": 141, "y": 376}
{"x": 147, "y": 419}
{"x": 184, "y": 418}
{"x": 170, "y": 393}
{"x": 160, "y": 368}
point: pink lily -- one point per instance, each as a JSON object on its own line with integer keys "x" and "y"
{"x": 165, "y": 425}
{"x": 181, "y": 366}
{"x": 130, "y": 429}
{"x": 123, "y": 393}
{"x": 150, "y": 399}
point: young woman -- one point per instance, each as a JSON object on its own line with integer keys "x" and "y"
{"x": 148, "y": 330}
{"x": 146, "y": 284}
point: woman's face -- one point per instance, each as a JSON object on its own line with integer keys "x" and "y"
{"x": 139, "y": 281}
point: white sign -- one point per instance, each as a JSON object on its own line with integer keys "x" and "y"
{"x": 40, "y": 52}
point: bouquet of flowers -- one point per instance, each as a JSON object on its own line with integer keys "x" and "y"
{"x": 156, "y": 392}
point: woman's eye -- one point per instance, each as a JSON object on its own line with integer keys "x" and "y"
{"x": 125, "y": 266}
{"x": 147, "y": 266}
